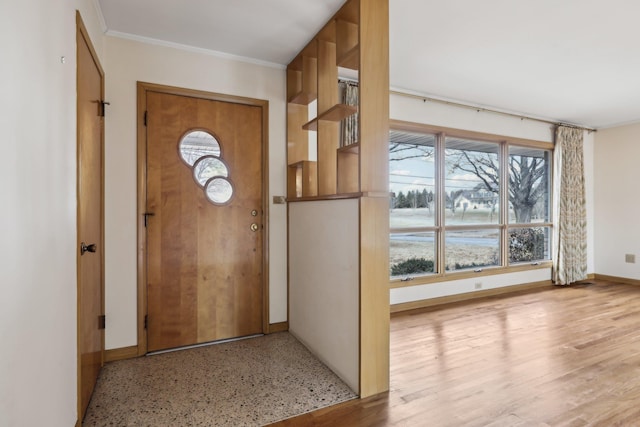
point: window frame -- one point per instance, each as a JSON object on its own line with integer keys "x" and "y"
{"x": 503, "y": 226}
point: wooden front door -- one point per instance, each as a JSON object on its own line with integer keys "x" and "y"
{"x": 90, "y": 134}
{"x": 204, "y": 219}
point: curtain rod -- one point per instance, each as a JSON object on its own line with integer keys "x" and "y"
{"x": 348, "y": 80}
{"x": 489, "y": 110}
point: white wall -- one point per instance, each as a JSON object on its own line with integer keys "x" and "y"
{"x": 131, "y": 61}
{"x": 324, "y": 282}
{"x": 617, "y": 232}
{"x": 453, "y": 287}
{"x": 38, "y": 360}
{"x": 415, "y": 110}
{"x": 590, "y": 194}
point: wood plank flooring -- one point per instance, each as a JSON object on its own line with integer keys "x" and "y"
{"x": 564, "y": 356}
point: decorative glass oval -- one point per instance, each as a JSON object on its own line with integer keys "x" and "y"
{"x": 208, "y": 167}
{"x": 197, "y": 144}
{"x": 219, "y": 190}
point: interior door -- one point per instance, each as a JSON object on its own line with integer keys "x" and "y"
{"x": 90, "y": 84}
{"x": 204, "y": 220}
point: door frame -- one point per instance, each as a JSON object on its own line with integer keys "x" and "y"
{"x": 82, "y": 33}
{"x": 142, "y": 89}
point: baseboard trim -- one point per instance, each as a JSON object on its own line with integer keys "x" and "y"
{"x": 616, "y": 279}
{"x": 278, "y": 327}
{"x": 121, "y": 353}
{"x": 449, "y": 299}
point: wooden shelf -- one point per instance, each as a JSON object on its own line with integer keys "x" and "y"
{"x": 338, "y": 112}
{"x": 301, "y": 163}
{"x": 302, "y": 80}
{"x": 302, "y": 179}
{"x": 349, "y": 12}
{"x": 333, "y": 114}
{"x": 348, "y": 159}
{"x": 350, "y": 59}
{"x": 303, "y": 98}
{"x": 341, "y": 196}
{"x": 351, "y": 148}
{"x": 347, "y": 44}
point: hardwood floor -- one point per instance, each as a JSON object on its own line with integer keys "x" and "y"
{"x": 564, "y": 356}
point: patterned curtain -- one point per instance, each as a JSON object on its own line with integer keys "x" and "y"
{"x": 349, "y": 96}
{"x": 569, "y": 208}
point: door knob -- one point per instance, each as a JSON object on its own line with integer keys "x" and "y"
{"x": 87, "y": 248}
{"x": 254, "y": 227}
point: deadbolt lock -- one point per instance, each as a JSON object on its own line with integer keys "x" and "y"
{"x": 254, "y": 213}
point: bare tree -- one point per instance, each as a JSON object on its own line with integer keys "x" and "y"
{"x": 402, "y": 151}
{"x": 527, "y": 175}
{"x": 527, "y": 184}
{"x": 527, "y": 178}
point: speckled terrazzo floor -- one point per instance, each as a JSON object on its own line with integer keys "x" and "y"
{"x": 250, "y": 382}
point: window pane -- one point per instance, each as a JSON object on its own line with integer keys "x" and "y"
{"x": 412, "y": 253}
{"x": 219, "y": 190}
{"x": 472, "y": 182}
{"x": 196, "y": 144}
{"x": 411, "y": 179}
{"x": 529, "y": 195}
{"x": 529, "y": 244}
{"x": 470, "y": 249}
{"x": 207, "y": 167}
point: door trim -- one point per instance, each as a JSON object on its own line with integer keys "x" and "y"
{"x": 81, "y": 32}
{"x": 142, "y": 89}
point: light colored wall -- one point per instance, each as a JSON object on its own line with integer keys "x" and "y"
{"x": 454, "y": 287}
{"x": 415, "y": 110}
{"x": 38, "y": 371}
{"x": 589, "y": 186}
{"x": 617, "y": 151}
{"x": 131, "y": 61}
{"x": 323, "y": 282}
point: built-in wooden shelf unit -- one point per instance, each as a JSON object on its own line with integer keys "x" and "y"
{"x": 356, "y": 38}
{"x": 313, "y": 76}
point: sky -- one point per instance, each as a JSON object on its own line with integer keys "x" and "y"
{"x": 418, "y": 173}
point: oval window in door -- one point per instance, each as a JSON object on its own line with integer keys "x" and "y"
{"x": 208, "y": 167}
{"x": 197, "y": 144}
{"x": 219, "y": 190}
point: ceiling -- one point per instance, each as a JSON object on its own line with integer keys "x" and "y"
{"x": 574, "y": 61}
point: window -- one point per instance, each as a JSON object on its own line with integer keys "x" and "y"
{"x": 466, "y": 204}
{"x": 529, "y": 204}
{"x": 413, "y": 213}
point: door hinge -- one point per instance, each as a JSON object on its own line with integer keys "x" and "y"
{"x": 145, "y": 118}
{"x": 102, "y": 109}
{"x": 146, "y": 320}
{"x": 146, "y": 216}
{"x": 102, "y": 321}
